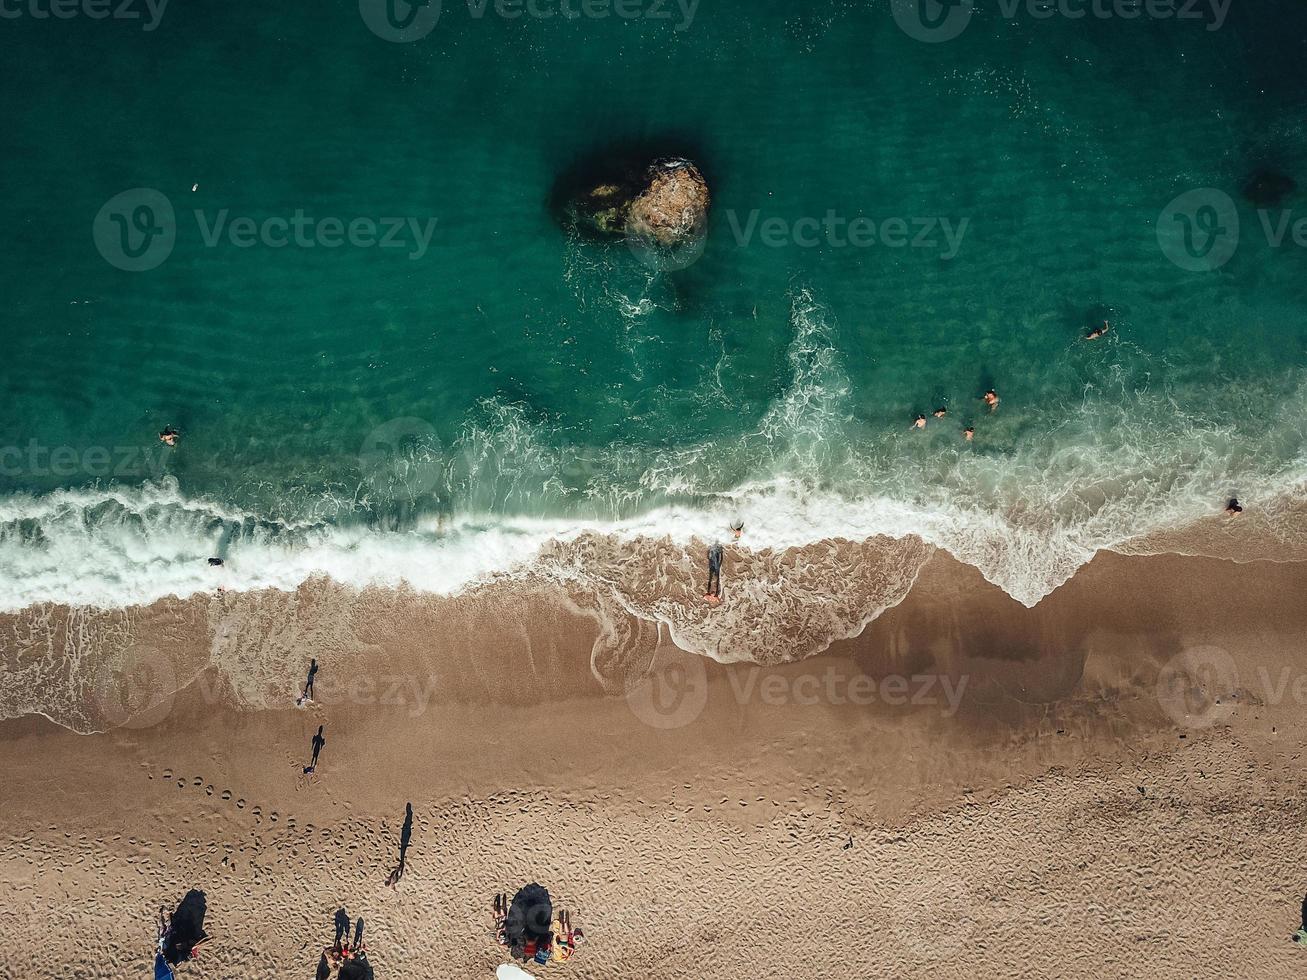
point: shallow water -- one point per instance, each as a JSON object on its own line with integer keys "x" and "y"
{"x": 439, "y": 411}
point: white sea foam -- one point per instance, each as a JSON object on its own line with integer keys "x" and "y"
{"x": 1027, "y": 517}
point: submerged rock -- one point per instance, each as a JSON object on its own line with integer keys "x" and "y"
{"x": 1267, "y": 188}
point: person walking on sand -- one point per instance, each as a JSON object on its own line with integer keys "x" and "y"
{"x": 308, "y": 685}
{"x": 714, "y": 593}
{"x": 318, "y": 743}
{"x": 342, "y": 928}
{"x": 405, "y": 833}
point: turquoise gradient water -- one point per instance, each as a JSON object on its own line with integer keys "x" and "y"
{"x": 550, "y": 383}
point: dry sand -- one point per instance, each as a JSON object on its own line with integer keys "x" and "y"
{"x": 969, "y": 788}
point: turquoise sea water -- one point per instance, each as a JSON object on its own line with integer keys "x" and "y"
{"x": 434, "y": 411}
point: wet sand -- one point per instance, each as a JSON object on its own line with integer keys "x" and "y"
{"x": 1109, "y": 784}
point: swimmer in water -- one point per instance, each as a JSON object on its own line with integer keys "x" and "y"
{"x": 968, "y": 433}
{"x": 1233, "y": 507}
{"x": 919, "y": 422}
{"x": 215, "y": 562}
{"x": 1099, "y": 331}
{"x": 737, "y": 528}
{"x": 169, "y": 436}
{"x": 714, "y": 593}
{"x": 941, "y": 412}
{"x": 991, "y": 399}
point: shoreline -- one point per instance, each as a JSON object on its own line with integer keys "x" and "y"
{"x": 92, "y": 670}
{"x": 978, "y": 830}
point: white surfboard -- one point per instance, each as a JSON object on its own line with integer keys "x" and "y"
{"x": 511, "y": 971}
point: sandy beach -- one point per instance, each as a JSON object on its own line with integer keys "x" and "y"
{"x": 968, "y": 788}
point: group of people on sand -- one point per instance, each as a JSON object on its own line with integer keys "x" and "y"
{"x": 555, "y": 944}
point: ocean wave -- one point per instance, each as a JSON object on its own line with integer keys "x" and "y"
{"x": 1123, "y": 468}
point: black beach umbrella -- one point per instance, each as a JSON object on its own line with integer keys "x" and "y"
{"x": 356, "y": 969}
{"x": 186, "y": 930}
{"x": 529, "y": 916}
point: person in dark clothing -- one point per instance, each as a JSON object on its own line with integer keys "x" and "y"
{"x": 318, "y": 743}
{"x": 358, "y": 935}
{"x": 405, "y": 835}
{"x": 324, "y": 968}
{"x": 308, "y": 685}
{"x": 714, "y": 593}
{"x": 342, "y": 929}
{"x": 1300, "y": 937}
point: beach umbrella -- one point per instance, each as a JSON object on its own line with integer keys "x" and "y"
{"x": 186, "y": 930}
{"x": 356, "y": 969}
{"x": 529, "y": 916}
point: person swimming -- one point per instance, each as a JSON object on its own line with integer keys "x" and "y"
{"x": 919, "y": 422}
{"x": 1098, "y": 331}
{"x": 714, "y": 593}
{"x": 968, "y": 433}
{"x": 990, "y": 398}
{"x": 169, "y": 436}
{"x": 941, "y": 412}
{"x": 1233, "y": 507}
{"x": 737, "y": 528}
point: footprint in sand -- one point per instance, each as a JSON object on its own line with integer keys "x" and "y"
{"x": 226, "y": 794}
{"x": 208, "y": 790}
{"x": 197, "y": 782}
{"x": 167, "y": 774}
{"x": 240, "y": 804}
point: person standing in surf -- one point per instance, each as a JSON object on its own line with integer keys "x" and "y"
{"x": 318, "y": 743}
{"x": 714, "y": 593}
